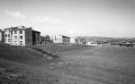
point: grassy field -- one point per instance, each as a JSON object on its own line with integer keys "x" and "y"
{"x": 74, "y": 65}
{"x": 100, "y": 65}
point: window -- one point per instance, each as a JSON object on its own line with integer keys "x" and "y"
{"x": 9, "y": 40}
{"x": 21, "y": 37}
{"x": 5, "y": 35}
{"x": 8, "y": 35}
{"x": 15, "y": 32}
{"x": 21, "y": 43}
{"x": 21, "y": 31}
{"x": 15, "y": 37}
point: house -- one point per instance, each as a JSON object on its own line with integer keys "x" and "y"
{"x": 56, "y": 38}
{"x": 21, "y": 36}
{"x": 80, "y": 41}
{"x": 60, "y": 39}
{"x": 65, "y": 39}
{"x": 45, "y": 39}
{"x": 72, "y": 40}
{"x": 91, "y": 43}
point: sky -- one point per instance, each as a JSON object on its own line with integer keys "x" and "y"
{"x": 109, "y": 18}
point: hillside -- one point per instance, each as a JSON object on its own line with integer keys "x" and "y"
{"x": 18, "y": 65}
{"x": 20, "y": 54}
{"x": 21, "y": 65}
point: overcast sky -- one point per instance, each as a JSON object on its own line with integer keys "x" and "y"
{"x": 112, "y": 18}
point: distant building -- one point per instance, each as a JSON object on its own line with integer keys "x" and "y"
{"x": 45, "y": 39}
{"x": 91, "y": 43}
{"x": 65, "y": 39}
{"x": 61, "y": 39}
{"x": 1, "y": 36}
{"x": 80, "y": 41}
{"x": 21, "y": 36}
{"x": 56, "y": 38}
{"x": 72, "y": 40}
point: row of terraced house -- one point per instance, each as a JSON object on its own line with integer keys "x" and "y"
{"x": 27, "y": 36}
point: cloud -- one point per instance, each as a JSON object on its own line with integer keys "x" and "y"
{"x": 48, "y": 19}
{"x": 15, "y": 14}
{"x": 33, "y": 19}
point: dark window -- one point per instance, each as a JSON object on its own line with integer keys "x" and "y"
{"x": 5, "y": 35}
{"x": 9, "y": 40}
{"x": 21, "y": 31}
{"x": 21, "y": 43}
{"x": 15, "y": 32}
{"x": 21, "y": 37}
{"x": 8, "y": 35}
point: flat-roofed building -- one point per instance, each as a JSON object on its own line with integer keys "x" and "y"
{"x": 1, "y": 36}
{"x": 21, "y": 36}
{"x": 56, "y": 38}
{"x": 60, "y": 39}
{"x": 65, "y": 39}
{"x": 80, "y": 41}
{"x": 72, "y": 40}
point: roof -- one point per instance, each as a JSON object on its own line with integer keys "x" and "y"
{"x": 36, "y": 31}
{"x": 20, "y": 28}
{"x": 16, "y": 28}
{"x": 65, "y": 36}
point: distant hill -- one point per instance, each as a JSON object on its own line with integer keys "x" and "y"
{"x": 98, "y": 38}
